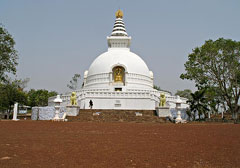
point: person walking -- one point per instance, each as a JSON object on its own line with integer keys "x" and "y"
{"x": 90, "y": 104}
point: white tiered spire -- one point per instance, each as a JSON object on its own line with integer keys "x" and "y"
{"x": 119, "y": 37}
{"x": 119, "y": 28}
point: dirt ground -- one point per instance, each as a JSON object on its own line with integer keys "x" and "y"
{"x": 113, "y": 145}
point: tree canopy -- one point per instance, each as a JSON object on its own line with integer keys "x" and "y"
{"x": 73, "y": 84}
{"x": 216, "y": 65}
{"x": 186, "y": 93}
{"x": 159, "y": 89}
{"x": 39, "y": 97}
{"x": 8, "y": 54}
{"x": 11, "y": 92}
{"x": 156, "y": 87}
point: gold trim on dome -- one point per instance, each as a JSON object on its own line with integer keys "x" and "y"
{"x": 119, "y": 14}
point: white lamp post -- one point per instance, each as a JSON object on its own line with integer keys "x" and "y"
{"x": 178, "y": 108}
{"x": 57, "y": 102}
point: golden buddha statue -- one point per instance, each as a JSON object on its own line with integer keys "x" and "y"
{"x": 118, "y": 75}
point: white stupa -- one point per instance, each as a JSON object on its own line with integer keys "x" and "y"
{"x": 118, "y": 69}
{"x": 118, "y": 78}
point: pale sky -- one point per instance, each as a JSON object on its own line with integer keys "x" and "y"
{"x": 57, "y": 38}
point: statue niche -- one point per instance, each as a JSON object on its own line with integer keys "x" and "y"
{"x": 118, "y": 74}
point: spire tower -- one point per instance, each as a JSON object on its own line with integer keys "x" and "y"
{"x": 119, "y": 27}
{"x": 119, "y": 37}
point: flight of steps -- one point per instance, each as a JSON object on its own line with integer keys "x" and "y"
{"x": 116, "y": 116}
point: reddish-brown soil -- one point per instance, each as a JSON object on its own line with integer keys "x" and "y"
{"x": 82, "y": 144}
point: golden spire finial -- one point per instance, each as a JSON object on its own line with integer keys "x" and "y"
{"x": 119, "y": 14}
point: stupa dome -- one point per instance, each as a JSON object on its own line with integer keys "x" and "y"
{"x": 118, "y": 57}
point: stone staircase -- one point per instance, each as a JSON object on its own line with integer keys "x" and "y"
{"x": 94, "y": 115}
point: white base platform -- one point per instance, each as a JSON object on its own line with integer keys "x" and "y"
{"x": 125, "y": 100}
{"x": 163, "y": 111}
{"x": 72, "y": 110}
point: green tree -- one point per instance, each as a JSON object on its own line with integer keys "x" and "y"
{"x": 216, "y": 65}
{"x": 73, "y": 85}
{"x": 159, "y": 89}
{"x": 156, "y": 87}
{"x": 39, "y": 97}
{"x": 198, "y": 104}
{"x": 186, "y": 93}
{"x": 11, "y": 93}
{"x": 22, "y": 83}
{"x": 213, "y": 96}
{"x": 8, "y": 54}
